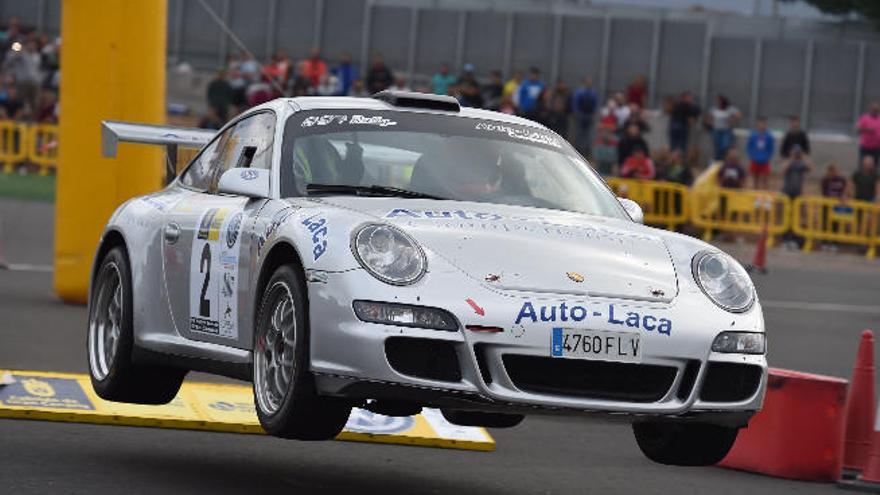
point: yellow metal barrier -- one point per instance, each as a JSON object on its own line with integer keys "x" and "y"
{"x": 827, "y": 219}
{"x": 664, "y": 203}
{"x": 42, "y": 147}
{"x": 736, "y": 210}
{"x": 13, "y": 144}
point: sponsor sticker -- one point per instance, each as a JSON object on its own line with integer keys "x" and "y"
{"x": 38, "y": 391}
{"x": 610, "y": 314}
{"x": 349, "y": 120}
{"x": 522, "y": 133}
{"x": 213, "y": 281}
{"x": 249, "y": 174}
{"x": 318, "y": 228}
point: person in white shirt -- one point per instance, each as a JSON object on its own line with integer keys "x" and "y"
{"x": 721, "y": 119}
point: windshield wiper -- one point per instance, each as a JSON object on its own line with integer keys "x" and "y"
{"x": 373, "y": 190}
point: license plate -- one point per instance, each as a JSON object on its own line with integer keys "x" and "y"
{"x": 596, "y": 344}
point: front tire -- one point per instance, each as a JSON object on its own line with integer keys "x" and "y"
{"x": 285, "y": 396}
{"x": 684, "y": 444}
{"x": 111, "y": 340}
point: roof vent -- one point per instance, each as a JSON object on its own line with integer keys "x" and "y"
{"x": 409, "y": 99}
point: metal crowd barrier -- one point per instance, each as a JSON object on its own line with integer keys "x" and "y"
{"x": 664, "y": 203}
{"x": 831, "y": 220}
{"x": 737, "y": 210}
{"x": 42, "y": 146}
{"x": 13, "y": 144}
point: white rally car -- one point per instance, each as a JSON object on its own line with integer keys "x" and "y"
{"x": 399, "y": 251}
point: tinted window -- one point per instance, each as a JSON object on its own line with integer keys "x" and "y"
{"x": 249, "y": 145}
{"x": 450, "y": 157}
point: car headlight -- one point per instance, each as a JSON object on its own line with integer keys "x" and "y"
{"x": 740, "y": 343}
{"x": 724, "y": 281}
{"x": 389, "y": 254}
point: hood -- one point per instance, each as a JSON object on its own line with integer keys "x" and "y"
{"x": 514, "y": 248}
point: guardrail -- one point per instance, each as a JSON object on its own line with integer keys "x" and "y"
{"x": 831, "y": 220}
{"x": 664, "y": 203}
{"x": 13, "y": 143}
{"x": 737, "y": 210}
{"x": 42, "y": 146}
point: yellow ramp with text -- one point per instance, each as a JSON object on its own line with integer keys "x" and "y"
{"x": 212, "y": 407}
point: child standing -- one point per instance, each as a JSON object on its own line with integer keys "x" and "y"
{"x": 760, "y": 149}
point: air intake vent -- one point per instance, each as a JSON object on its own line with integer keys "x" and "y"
{"x": 407, "y": 99}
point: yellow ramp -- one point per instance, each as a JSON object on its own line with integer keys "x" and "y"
{"x": 212, "y": 407}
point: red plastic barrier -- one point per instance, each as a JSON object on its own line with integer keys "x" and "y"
{"x": 799, "y": 432}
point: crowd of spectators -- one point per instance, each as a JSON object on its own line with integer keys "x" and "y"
{"x": 29, "y": 74}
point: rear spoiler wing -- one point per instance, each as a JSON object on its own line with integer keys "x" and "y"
{"x": 114, "y": 132}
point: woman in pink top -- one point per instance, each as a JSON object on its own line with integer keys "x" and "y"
{"x": 868, "y": 128}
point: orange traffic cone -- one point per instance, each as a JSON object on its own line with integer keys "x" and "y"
{"x": 860, "y": 408}
{"x": 869, "y": 481}
{"x": 759, "y": 261}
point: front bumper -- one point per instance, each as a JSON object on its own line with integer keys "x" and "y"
{"x": 349, "y": 356}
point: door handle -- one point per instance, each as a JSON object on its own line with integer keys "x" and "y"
{"x": 172, "y": 233}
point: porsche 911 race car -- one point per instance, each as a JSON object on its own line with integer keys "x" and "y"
{"x": 400, "y": 251}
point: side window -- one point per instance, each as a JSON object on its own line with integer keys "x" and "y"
{"x": 249, "y": 145}
{"x": 200, "y": 172}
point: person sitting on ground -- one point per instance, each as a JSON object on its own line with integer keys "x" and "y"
{"x": 638, "y": 166}
{"x": 760, "y": 149}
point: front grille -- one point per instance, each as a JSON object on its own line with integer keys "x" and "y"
{"x": 590, "y": 379}
{"x": 688, "y": 380}
{"x": 423, "y": 358}
{"x": 730, "y": 382}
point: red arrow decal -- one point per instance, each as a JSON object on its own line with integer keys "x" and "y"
{"x": 477, "y": 309}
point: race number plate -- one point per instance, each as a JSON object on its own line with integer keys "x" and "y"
{"x": 596, "y": 344}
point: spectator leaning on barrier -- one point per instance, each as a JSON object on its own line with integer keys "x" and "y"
{"x": 379, "y": 77}
{"x": 583, "y": 103}
{"x": 795, "y": 136}
{"x": 631, "y": 141}
{"x": 834, "y": 185}
{"x": 530, "y": 93}
{"x": 442, "y": 80}
{"x": 638, "y": 166}
{"x": 721, "y": 119}
{"x": 868, "y": 128}
{"x": 682, "y": 117}
{"x": 760, "y": 148}
{"x": 677, "y": 170}
{"x": 731, "y": 175}
{"x": 865, "y": 180}
{"x": 794, "y": 169}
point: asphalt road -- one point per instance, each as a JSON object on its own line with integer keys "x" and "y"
{"x": 815, "y": 307}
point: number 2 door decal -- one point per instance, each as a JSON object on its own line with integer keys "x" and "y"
{"x": 213, "y": 279}
{"x": 205, "y": 304}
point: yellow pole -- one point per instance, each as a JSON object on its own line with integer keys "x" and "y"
{"x": 114, "y": 68}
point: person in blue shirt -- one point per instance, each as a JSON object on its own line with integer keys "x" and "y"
{"x": 760, "y": 150}
{"x": 442, "y": 80}
{"x": 346, "y": 72}
{"x": 529, "y": 93}
{"x": 583, "y": 104}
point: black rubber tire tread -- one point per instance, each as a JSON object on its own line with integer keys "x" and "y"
{"x": 684, "y": 444}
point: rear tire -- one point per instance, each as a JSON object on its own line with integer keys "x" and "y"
{"x": 484, "y": 419}
{"x": 111, "y": 340}
{"x": 285, "y": 396}
{"x": 684, "y": 444}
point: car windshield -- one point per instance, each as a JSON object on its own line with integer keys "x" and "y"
{"x": 414, "y": 154}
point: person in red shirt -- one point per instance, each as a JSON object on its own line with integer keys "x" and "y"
{"x": 638, "y": 166}
{"x": 314, "y": 67}
{"x": 637, "y": 91}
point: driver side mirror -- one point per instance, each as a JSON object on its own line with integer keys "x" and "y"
{"x": 633, "y": 209}
{"x": 249, "y": 182}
